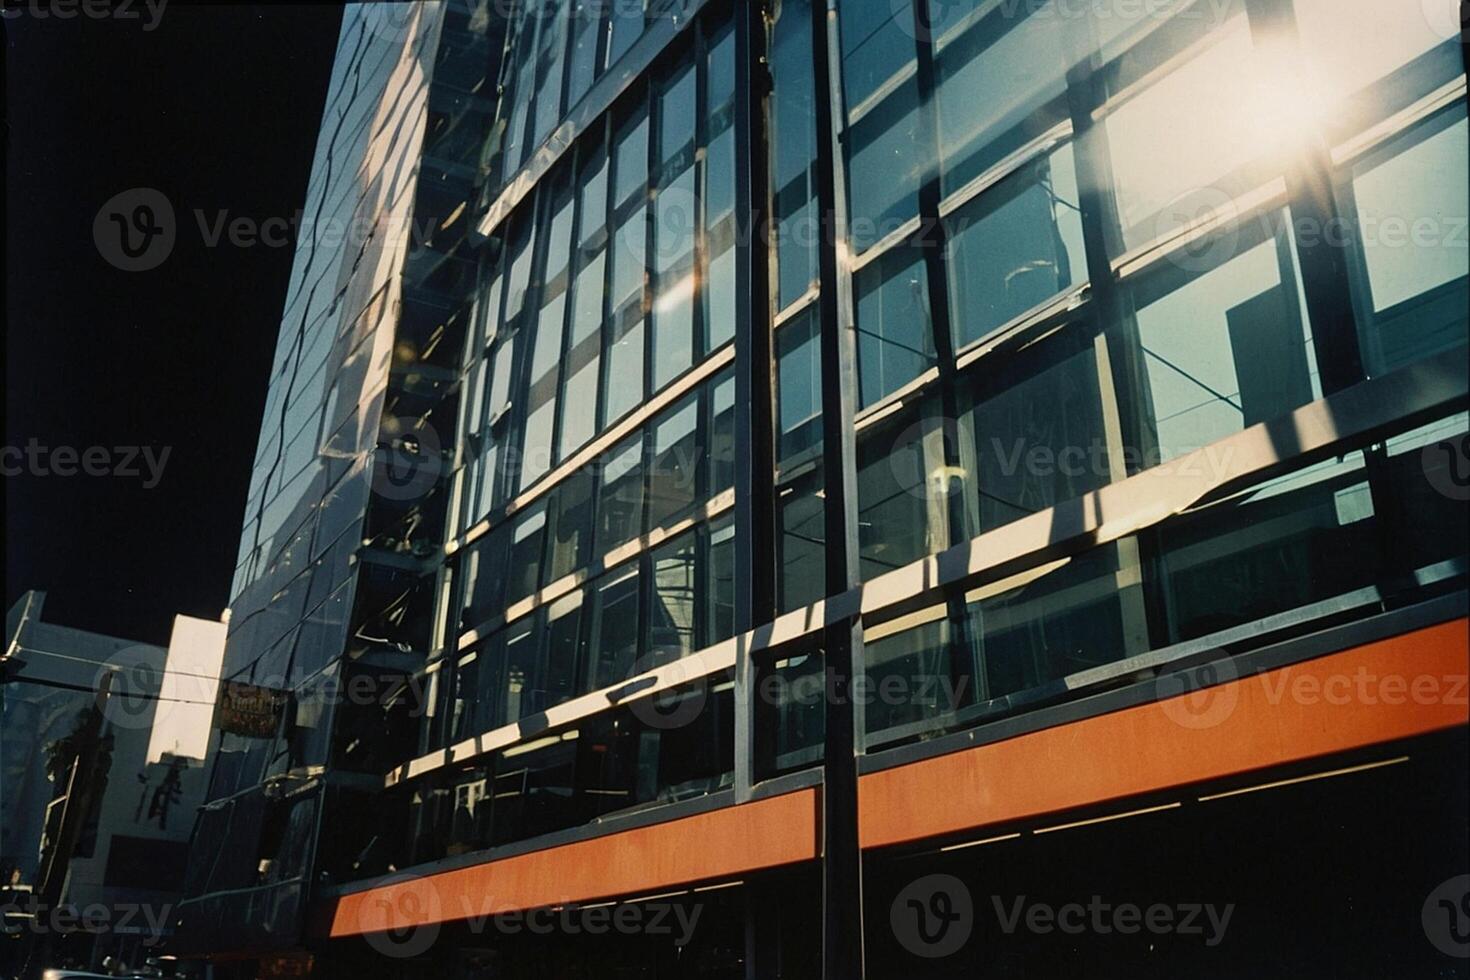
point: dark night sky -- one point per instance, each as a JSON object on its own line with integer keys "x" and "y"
{"x": 217, "y": 107}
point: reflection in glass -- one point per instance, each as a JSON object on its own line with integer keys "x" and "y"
{"x": 801, "y": 561}
{"x": 1182, "y": 145}
{"x": 1349, "y": 44}
{"x": 620, "y": 501}
{"x": 793, "y": 152}
{"x": 673, "y": 479}
{"x": 671, "y": 615}
{"x": 899, "y": 520}
{"x": 1224, "y": 348}
{"x": 614, "y": 628}
{"x": 1411, "y": 206}
{"x": 1015, "y": 247}
{"x": 798, "y": 386}
{"x": 1037, "y": 434}
{"x": 895, "y": 342}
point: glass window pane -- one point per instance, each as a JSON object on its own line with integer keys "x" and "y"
{"x": 793, "y": 151}
{"x": 722, "y": 434}
{"x": 1015, "y": 247}
{"x": 1001, "y": 82}
{"x": 582, "y": 66}
{"x": 1349, "y": 44}
{"x": 798, "y": 386}
{"x": 898, "y": 518}
{"x": 569, "y": 526}
{"x": 623, "y": 383}
{"x": 630, "y": 174}
{"x": 536, "y": 447}
{"x": 620, "y": 499}
{"x": 1068, "y": 620}
{"x": 801, "y": 566}
{"x": 720, "y": 574}
{"x": 522, "y": 669}
{"x": 630, "y": 244}
{"x": 895, "y": 342}
{"x": 525, "y": 553}
{"x": 675, "y": 217}
{"x": 1224, "y": 346}
{"x": 614, "y": 628}
{"x": 877, "y": 42}
{"x": 483, "y": 580}
{"x": 593, "y": 209}
{"x": 914, "y": 666}
{"x": 563, "y": 643}
{"x": 521, "y": 253}
{"x": 719, "y": 197}
{"x": 1181, "y": 145}
{"x": 676, "y": 115}
{"x": 1037, "y": 434}
{"x": 579, "y": 402}
{"x": 1411, "y": 206}
{"x": 626, "y": 27}
{"x": 671, "y": 614}
{"x": 886, "y": 157}
{"x": 672, "y": 483}
{"x": 587, "y": 303}
{"x": 550, "y": 66}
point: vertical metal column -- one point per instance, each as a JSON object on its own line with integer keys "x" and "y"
{"x": 842, "y": 891}
{"x": 755, "y": 495}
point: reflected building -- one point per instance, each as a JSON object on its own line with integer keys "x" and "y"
{"x": 94, "y": 822}
{"x": 764, "y": 456}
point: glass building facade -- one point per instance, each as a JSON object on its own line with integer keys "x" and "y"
{"x": 1009, "y": 366}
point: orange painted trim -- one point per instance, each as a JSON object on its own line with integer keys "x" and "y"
{"x": 1400, "y": 687}
{"x": 721, "y": 843}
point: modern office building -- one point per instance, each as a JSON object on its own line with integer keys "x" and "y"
{"x": 785, "y": 490}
